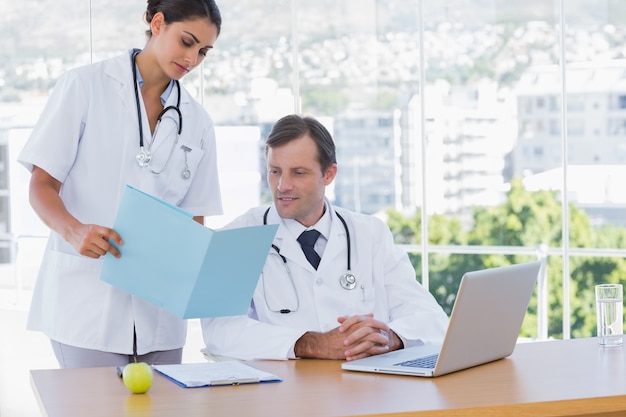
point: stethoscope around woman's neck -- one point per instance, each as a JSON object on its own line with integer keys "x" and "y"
{"x": 347, "y": 281}
{"x": 144, "y": 156}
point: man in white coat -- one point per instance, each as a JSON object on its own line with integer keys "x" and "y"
{"x": 355, "y": 296}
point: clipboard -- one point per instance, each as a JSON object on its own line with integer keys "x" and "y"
{"x": 196, "y": 375}
{"x": 176, "y": 263}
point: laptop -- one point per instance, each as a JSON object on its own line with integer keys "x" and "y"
{"x": 484, "y": 326}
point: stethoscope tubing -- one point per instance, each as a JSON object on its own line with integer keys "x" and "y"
{"x": 345, "y": 226}
{"x": 347, "y": 280}
{"x": 162, "y": 113}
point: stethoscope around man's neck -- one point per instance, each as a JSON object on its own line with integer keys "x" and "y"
{"x": 144, "y": 156}
{"x": 347, "y": 281}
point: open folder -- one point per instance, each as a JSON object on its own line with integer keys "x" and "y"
{"x": 182, "y": 266}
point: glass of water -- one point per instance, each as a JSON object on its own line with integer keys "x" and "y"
{"x": 609, "y": 313}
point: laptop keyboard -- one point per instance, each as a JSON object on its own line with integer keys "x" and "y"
{"x": 425, "y": 362}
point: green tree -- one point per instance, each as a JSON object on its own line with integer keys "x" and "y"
{"x": 526, "y": 219}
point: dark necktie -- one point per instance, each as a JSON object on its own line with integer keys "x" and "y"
{"x": 307, "y": 240}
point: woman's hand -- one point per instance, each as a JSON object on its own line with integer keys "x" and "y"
{"x": 93, "y": 241}
{"x": 88, "y": 239}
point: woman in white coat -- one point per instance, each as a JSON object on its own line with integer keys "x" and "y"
{"x": 122, "y": 121}
{"x": 361, "y": 300}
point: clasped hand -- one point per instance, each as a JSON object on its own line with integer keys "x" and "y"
{"x": 366, "y": 336}
{"x": 356, "y": 337}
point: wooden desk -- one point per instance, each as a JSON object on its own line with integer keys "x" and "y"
{"x": 559, "y": 378}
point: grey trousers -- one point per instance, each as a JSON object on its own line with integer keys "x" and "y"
{"x": 75, "y": 357}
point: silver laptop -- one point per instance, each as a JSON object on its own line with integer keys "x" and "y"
{"x": 484, "y": 326}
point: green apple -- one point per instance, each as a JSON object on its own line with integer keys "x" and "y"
{"x": 137, "y": 377}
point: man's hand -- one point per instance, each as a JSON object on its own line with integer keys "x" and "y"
{"x": 356, "y": 337}
{"x": 366, "y": 336}
{"x": 329, "y": 345}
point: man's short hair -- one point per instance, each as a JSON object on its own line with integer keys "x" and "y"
{"x": 294, "y": 127}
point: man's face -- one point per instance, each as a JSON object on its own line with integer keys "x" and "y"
{"x": 297, "y": 181}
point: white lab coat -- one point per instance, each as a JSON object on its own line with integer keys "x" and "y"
{"x": 87, "y": 138}
{"x": 386, "y": 286}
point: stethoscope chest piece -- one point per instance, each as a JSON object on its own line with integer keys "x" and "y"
{"x": 347, "y": 281}
{"x": 143, "y": 157}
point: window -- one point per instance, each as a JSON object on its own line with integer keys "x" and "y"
{"x": 576, "y": 127}
{"x": 414, "y": 106}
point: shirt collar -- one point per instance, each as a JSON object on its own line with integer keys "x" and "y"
{"x": 166, "y": 93}
{"x": 322, "y": 225}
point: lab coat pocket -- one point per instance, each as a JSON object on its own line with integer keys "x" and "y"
{"x": 69, "y": 292}
{"x": 191, "y": 157}
{"x": 75, "y": 272}
{"x": 362, "y": 296}
{"x": 69, "y": 300}
{"x": 175, "y": 178}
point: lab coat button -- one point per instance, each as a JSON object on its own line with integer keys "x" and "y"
{"x": 319, "y": 281}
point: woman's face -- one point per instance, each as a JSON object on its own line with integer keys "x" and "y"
{"x": 181, "y": 46}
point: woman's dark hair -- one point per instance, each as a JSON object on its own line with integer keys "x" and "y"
{"x": 294, "y": 127}
{"x": 181, "y": 10}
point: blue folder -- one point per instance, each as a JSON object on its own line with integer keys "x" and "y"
{"x": 182, "y": 266}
